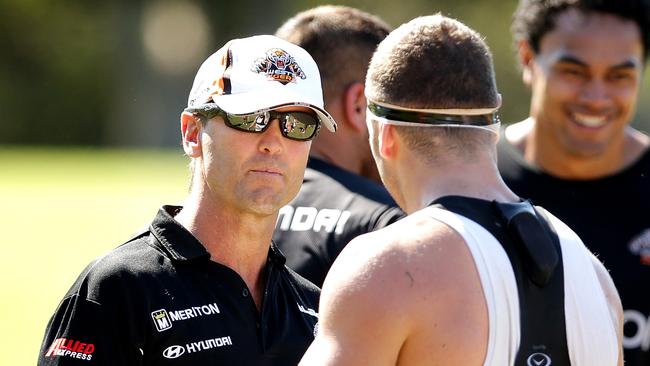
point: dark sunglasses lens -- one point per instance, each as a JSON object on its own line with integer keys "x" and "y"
{"x": 248, "y": 122}
{"x": 300, "y": 125}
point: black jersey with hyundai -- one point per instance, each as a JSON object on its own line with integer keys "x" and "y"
{"x": 159, "y": 300}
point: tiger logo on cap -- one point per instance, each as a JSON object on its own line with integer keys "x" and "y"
{"x": 278, "y": 65}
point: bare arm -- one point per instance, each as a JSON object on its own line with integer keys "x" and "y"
{"x": 614, "y": 301}
{"x": 359, "y": 324}
{"x": 408, "y": 294}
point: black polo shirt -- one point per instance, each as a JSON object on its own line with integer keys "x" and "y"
{"x": 159, "y": 300}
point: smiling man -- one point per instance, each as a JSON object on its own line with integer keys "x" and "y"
{"x": 577, "y": 154}
{"x": 204, "y": 285}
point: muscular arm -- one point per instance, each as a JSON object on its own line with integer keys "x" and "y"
{"x": 408, "y": 294}
{"x": 360, "y": 322}
{"x": 614, "y": 301}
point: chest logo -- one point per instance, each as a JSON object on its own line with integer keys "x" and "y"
{"x": 161, "y": 320}
{"x": 174, "y": 351}
{"x": 538, "y": 359}
{"x": 278, "y": 65}
{"x": 640, "y": 246}
{"x": 164, "y": 320}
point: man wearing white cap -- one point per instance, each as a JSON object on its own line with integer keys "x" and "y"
{"x": 204, "y": 285}
{"x": 473, "y": 275}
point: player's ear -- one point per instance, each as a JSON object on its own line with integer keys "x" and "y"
{"x": 526, "y": 59}
{"x": 191, "y": 133}
{"x": 354, "y": 106}
{"x": 387, "y": 141}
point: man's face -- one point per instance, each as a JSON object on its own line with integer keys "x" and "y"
{"x": 585, "y": 81}
{"x": 252, "y": 172}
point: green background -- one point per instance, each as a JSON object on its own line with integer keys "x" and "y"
{"x": 60, "y": 209}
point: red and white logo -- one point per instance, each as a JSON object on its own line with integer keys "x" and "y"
{"x": 280, "y": 66}
{"x": 70, "y": 348}
{"x": 640, "y": 245}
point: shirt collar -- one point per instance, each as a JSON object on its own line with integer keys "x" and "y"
{"x": 181, "y": 245}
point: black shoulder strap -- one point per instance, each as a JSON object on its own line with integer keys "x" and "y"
{"x": 534, "y": 251}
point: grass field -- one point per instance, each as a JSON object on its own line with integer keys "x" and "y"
{"x": 59, "y": 210}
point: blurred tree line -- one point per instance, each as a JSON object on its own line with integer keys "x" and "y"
{"x": 117, "y": 73}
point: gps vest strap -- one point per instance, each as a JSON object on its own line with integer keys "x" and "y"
{"x": 534, "y": 252}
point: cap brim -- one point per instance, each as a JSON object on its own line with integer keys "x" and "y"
{"x": 253, "y": 101}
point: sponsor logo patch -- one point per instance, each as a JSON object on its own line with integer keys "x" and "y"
{"x": 538, "y": 359}
{"x": 310, "y": 218}
{"x": 640, "y": 245}
{"x": 63, "y": 347}
{"x": 176, "y": 351}
{"x": 164, "y": 320}
{"x": 161, "y": 319}
{"x": 636, "y": 330}
{"x": 278, "y": 65}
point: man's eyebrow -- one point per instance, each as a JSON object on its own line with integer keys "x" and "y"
{"x": 627, "y": 64}
{"x": 571, "y": 60}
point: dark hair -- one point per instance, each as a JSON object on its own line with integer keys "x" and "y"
{"x": 341, "y": 40}
{"x": 534, "y": 18}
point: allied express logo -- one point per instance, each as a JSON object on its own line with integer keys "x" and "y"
{"x": 70, "y": 348}
{"x": 278, "y": 65}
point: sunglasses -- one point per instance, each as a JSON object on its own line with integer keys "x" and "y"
{"x": 299, "y": 126}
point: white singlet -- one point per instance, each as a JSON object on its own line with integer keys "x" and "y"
{"x": 590, "y": 329}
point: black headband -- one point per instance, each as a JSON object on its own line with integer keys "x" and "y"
{"x": 432, "y": 118}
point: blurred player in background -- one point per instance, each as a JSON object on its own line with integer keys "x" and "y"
{"x": 576, "y": 154}
{"x": 340, "y": 197}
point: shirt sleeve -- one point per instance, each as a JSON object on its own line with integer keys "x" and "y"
{"x": 84, "y": 332}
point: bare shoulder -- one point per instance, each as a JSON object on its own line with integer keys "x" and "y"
{"x": 637, "y": 144}
{"x": 638, "y": 137}
{"x": 516, "y": 133}
{"x": 413, "y": 289}
{"x": 613, "y": 300}
{"x": 392, "y": 256}
{"x": 608, "y": 286}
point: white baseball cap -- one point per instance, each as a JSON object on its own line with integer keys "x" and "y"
{"x": 260, "y": 73}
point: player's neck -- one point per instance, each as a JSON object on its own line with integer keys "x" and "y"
{"x": 479, "y": 179}
{"x": 239, "y": 241}
{"x": 548, "y": 154}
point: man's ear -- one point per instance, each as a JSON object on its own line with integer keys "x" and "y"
{"x": 354, "y": 106}
{"x": 526, "y": 59}
{"x": 388, "y": 143}
{"x": 191, "y": 133}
